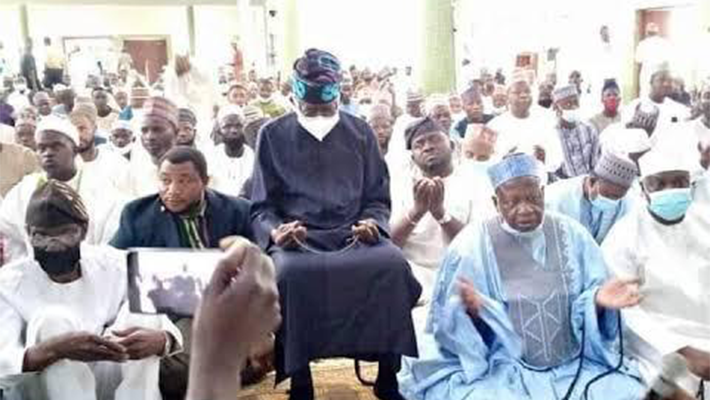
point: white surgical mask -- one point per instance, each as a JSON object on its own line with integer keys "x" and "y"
{"x": 122, "y": 150}
{"x": 523, "y": 235}
{"x": 571, "y": 116}
{"x": 319, "y": 127}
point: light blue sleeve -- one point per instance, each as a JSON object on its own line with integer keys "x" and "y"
{"x": 453, "y": 328}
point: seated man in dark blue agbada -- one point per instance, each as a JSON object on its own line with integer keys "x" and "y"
{"x": 321, "y": 207}
{"x": 183, "y": 214}
{"x": 523, "y": 308}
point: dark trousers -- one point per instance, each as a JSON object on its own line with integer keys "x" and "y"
{"x": 52, "y": 77}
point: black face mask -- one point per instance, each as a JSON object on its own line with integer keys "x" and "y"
{"x": 545, "y": 103}
{"x": 56, "y": 263}
{"x": 235, "y": 142}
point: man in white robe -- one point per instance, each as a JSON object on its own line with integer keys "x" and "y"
{"x": 231, "y": 162}
{"x": 527, "y": 128}
{"x": 665, "y": 245}
{"x": 67, "y": 332}
{"x": 437, "y": 203}
{"x": 159, "y": 126}
{"x": 597, "y": 200}
{"x": 658, "y": 101}
{"x": 102, "y": 167}
{"x": 57, "y": 143}
{"x": 654, "y": 49}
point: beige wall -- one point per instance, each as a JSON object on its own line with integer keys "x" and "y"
{"x": 215, "y": 26}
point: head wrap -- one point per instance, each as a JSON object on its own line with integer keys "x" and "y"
{"x": 317, "y": 77}
{"x": 564, "y": 92}
{"x": 414, "y": 96}
{"x": 420, "y": 127}
{"x": 252, "y": 114}
{"x": 514, "y": 166}
{"x": 160, "y": 107}
{"x": 60, "y": 125}
{"x": 122, "y": 124}
{"x": 55, "y": 203}
{"x": 228, "y": 110}
{"x": 186, "y": 115}
{"x": 668, "y": 156}
{"x": 84, "y": 110}
{"x": 610, "y": 84}
{"x": 616, "y": 169}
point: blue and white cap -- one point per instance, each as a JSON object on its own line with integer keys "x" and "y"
{"x": 513, "y": 166}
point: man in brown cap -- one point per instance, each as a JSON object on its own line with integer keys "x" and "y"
{"x": 67, "y": 332}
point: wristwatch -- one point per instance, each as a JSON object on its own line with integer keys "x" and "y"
{"x": 445, "y": 219}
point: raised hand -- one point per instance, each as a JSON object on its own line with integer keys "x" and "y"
{"x": 436, "y": 199}
{"x": 422, "y": 199}
{"x": 240, "y": 307}
{"x": 616, "y": 294}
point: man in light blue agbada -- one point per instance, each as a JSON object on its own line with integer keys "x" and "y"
{"x": 523, "y": 307}
{"x": 597, "y": 200}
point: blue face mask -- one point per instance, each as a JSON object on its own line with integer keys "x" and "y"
{"x": 670, "y": 204}
{"x": 604, "y": 204}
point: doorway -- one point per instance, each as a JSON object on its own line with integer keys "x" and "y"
{"x": 149, "y": 56}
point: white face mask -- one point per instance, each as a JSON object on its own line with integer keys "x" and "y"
{"x": 122, "y": 150}
{"x": 522, "y": 235}
{"x": 319, "y": 127}
{"x": 571, "y": 116}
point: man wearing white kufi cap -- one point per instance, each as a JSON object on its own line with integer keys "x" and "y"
{"x": 661, "y": 87}
{"x": 232, "y": 161}
{"x": 522, "y": 300}
{"x": 597, "y": 200}
{"x": 57, "y": 143}
{"x": 665, "y": 245}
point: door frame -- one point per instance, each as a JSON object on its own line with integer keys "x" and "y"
{"x": 138, "y": 38}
